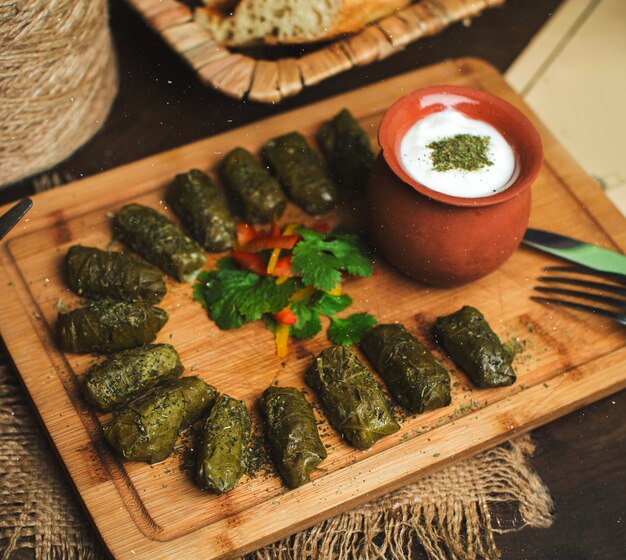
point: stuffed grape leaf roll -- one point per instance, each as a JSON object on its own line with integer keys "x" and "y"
{"x": 416, "y": 379}
{"x": 203, "y": 209}
{"x": 130, "y": 373}
{"x": 159, "y": 241}
{"x": 301, "y": 173}
{"x": 347, "y": 150}
{"x": 475, "y": 348}
{"x": 223, "y": 452}
{"x": 295, "y": 444}
{"x": 352, "y": 400}
{"x": 109, "y": 326}
{"x": 147, "y": 429}
{"x": 96, "y": 273}
{"x": 257, "y": 192}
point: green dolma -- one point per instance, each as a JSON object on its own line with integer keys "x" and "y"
{"x": 476, "y": 349}
{"x": 351, "y": 398}
{"x": 258, "y": 193}
{"x": 295, "y": 444}
{"x": 415, "y": 378}
{"x": 347, "y": 150}
{"x": 106, "y": 326}
{"x": 97, "y": 273}
{"x": 203, "y": 209}
{"x": 223, "y": 452}
{"x": 130, "y": 373}
{"x": 301, "y": 173}
{"x": 147, "y": 429}
{"x": 159, "y": 241}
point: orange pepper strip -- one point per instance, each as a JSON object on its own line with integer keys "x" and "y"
{"x": 282, "y": 339}
{"x": 286, "y": 316}
{"x": 245, "y": 234}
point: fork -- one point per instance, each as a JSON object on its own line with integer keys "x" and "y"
{"x": 611, "y": 295}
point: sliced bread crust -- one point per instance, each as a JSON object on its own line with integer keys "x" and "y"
{"x": 293, "y": 21}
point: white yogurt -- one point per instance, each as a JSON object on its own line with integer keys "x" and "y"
{"x": 415, "y": 156}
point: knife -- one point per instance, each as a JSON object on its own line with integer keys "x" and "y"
{"x": 576, "y": 251}
{"x": 14, "y": 215}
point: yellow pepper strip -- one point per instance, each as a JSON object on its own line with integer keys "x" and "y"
{"x": 301, "y": 294}
{"x": 271, "y": 265}
{"x": 290, "y": 229}
{"x": 336, "y": 291}
{"x": 282, "y": 338}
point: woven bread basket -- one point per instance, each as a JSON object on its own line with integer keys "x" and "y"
{"x": 58, "y": 78}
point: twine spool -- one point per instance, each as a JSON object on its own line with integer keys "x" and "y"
{"x": 58, "y": 78}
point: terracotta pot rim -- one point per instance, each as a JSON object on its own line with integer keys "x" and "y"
{"x": 517, "y": 125}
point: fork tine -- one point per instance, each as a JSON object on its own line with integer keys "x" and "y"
{"x": 585, "y": 284}
{"x": 581, "y": 307}
{"x": 613, "y": 276}
{"x": 606, "y": 300}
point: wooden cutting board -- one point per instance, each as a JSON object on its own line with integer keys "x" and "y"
{"x": 565, "y": 359}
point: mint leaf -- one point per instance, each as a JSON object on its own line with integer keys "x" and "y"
{"x": 320, "y": 258}
{"x": 351, "y": 329}
{"x": 236, "y": 297}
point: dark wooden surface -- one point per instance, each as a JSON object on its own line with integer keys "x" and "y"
{"x": 582, "y": 457}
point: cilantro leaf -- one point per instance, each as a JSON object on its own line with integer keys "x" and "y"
{"x": 308, "y": 323}
{"x": 351, "y": 329}
{"x": 320, "y": 258}
{"x": 329, "y": 305}
{"x": 198, "y": 289}
{"x": 236, "y": 297}
{"x": 309, "y": 309}
{"x": 227, "y": 263}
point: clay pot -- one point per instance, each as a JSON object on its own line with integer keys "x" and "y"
{"x": 438, "y": 239}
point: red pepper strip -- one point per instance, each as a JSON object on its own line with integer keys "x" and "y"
{"x": 283, "y": 267}
{"x": 271, "y": 242}
{"x": 321, "y": 227}
{"x": 286, "y": 316}
{"x": 250, "y": 262}
{"x": 245, "y": 234}
{"x": 275, "y": 226}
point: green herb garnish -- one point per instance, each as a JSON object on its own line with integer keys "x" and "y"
{"x": 466, "y": 152}
{"x": 320, "y": 258}
{"x": 236, "y": 297}
{"x": 309, "y": 309}
{"x": 351, "y": 329}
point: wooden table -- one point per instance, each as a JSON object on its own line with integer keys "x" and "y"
{"x": 161, "y": 105}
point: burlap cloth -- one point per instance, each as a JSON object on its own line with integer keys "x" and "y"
{"x": 449, "y": 515}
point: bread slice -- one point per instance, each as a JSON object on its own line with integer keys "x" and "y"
{"x": 293, "y": 21}
{"x": 220, "y": 4}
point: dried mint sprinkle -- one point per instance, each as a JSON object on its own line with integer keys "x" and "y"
{"x": 466, "y": 152}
